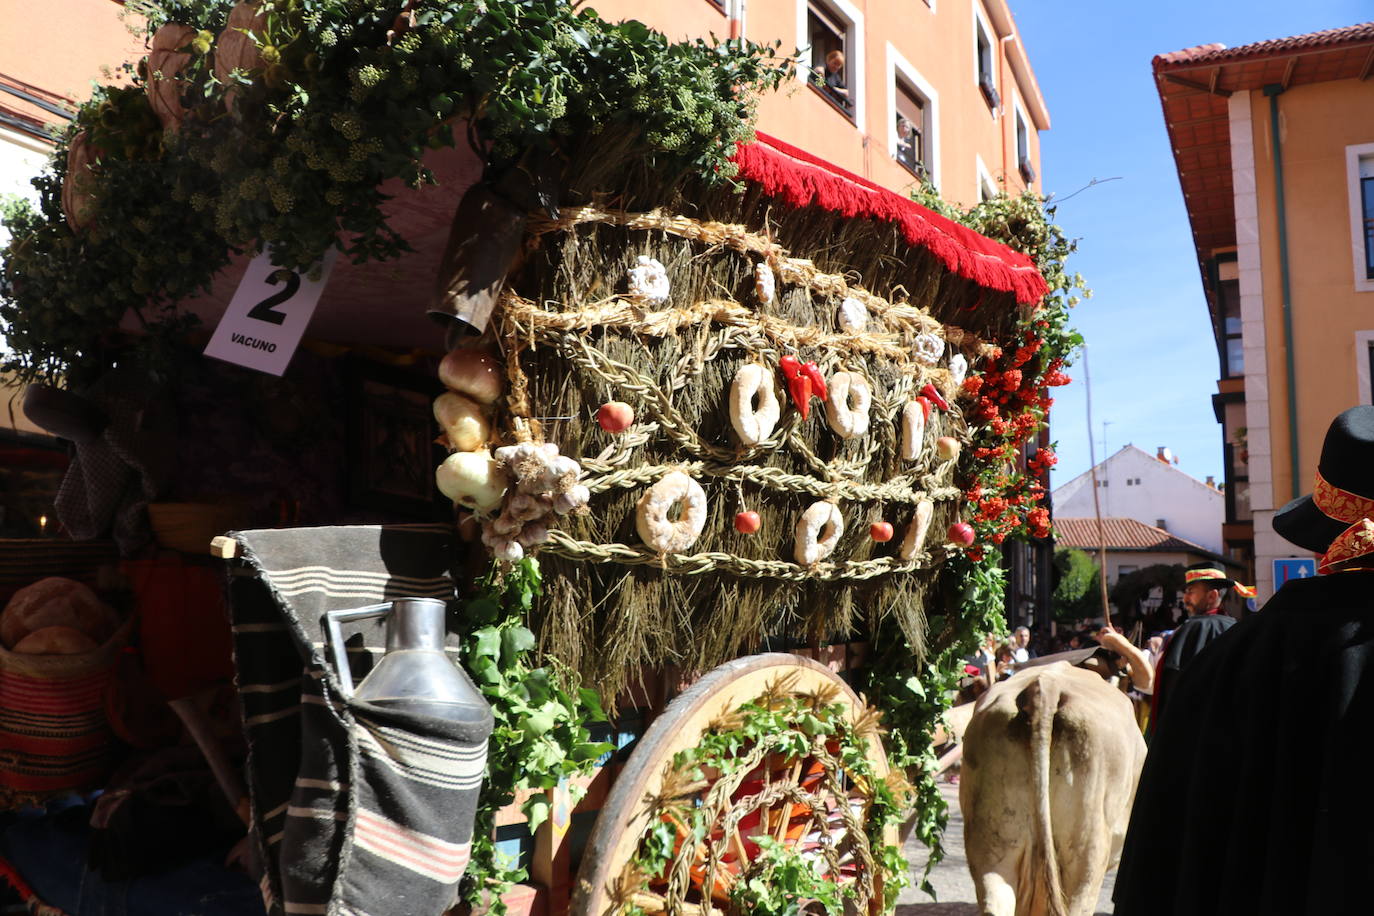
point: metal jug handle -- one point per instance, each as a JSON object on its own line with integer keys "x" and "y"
{"x": 332, "y": 621}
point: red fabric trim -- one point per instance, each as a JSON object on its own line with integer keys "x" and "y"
{"x": 800, "y": 179}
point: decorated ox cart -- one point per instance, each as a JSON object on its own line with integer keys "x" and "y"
{"x": 728, "y": 459}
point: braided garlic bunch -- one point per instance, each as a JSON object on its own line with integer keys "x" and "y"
{"x": 546, "y": 486}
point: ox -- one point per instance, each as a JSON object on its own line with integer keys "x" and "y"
{"x": 1051, "y": 758}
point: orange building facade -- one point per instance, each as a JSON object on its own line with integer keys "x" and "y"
{"x": 1274, "y": 144}
{"x": 955, "y": 70}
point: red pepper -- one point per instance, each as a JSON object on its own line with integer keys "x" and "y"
{"x": 801, "y": 394}
{"x": 818, "y": 387}
{"x": 925, "y": 408}
{"x": 930, "y": 392}
{"x": 798, "y": 384}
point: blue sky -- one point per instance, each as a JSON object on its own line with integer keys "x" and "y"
{"x": 1152, "y": 357}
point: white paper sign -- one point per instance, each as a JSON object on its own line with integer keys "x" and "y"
{"x": 268, "y": 315}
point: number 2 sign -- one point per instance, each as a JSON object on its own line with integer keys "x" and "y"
{"x": 268, "y": 315}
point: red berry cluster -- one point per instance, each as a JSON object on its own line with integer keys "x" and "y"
{"x": 1010, "y": 401}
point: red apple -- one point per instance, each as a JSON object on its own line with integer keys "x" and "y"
{"x": 615, "y": 416}
{"x": 747, "y": 522}
{"x": 961, "y": 533}
{"x": 880, "y": 531}
{"x": 947, "y": 447}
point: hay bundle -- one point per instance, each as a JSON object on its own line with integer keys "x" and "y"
{"x": 574, "y": 339}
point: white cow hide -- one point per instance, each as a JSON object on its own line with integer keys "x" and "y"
{"x": 1051, "y": 758}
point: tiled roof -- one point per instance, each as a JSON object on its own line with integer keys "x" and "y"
{"x": 1120, "y": 534}
{"x": 1194, "y": 85}
{"x": 1216, "y": 53}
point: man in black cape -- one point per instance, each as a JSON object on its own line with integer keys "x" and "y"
{"x": 1255, "y": 798}
{"x": 1204, "y": 587}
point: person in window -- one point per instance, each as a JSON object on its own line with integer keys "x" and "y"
{"x": 832, "y": 79}
{"x": 906, "y": 142}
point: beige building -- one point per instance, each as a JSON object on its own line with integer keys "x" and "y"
{"x": 1274, "y": 144}
{"x": 955, "y": 70}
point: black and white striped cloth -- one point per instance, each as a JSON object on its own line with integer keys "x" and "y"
{"x": 357, "y": 810}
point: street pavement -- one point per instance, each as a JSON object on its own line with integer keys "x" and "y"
{"x": 953, "y": 886}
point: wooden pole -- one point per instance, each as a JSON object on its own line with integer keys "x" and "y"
{"x": 1097, "y": 503}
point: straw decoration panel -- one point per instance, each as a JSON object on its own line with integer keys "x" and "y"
{"x": 659, "y": 570}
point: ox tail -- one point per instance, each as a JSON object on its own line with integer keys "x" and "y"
{"x": 1040, "y": 702}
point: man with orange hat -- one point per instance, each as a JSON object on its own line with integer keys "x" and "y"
{"x": 1204, "y": 588}
{"x": 1255, "y": 797}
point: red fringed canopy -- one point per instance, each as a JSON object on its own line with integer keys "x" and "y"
{"x": 801, "y": 179}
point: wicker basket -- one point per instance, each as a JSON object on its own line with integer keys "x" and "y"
{"x": 189, "y": 527}
{"x": 54, "y": 736}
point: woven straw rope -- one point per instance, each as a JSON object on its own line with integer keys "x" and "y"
{"x": 797, "y": 271}
{"x": 561, "y": 544}
{"x": 762, "y": 336}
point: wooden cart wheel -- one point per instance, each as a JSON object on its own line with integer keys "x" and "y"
{"x": 810, "y": 805}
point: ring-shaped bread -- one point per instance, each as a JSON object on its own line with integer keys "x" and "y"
{"x": 818, "y": 531}
{"x": 913, "y": 430}
{"x": 671, "y": 535}
{"x": 916, "y": 532}
{"x": 848, "y": 404}
{"x": 753, "y": 424}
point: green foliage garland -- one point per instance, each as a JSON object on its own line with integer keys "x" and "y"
{"x": 350, "y": 94}
{"x": 913, "y": 700}
{"x": 540, "y": 739}
{"x": 1004, "y": 491}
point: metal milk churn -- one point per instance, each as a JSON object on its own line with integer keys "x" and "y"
{"x": 415, "y": 675}
{"x": 450, "y": 725}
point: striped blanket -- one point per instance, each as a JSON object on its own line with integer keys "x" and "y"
{"x": 357, "y": 810}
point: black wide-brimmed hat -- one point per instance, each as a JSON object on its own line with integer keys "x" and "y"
{"x": 1344, "y": 489}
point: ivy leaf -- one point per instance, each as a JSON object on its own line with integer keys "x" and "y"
{"x": 486, "y": 643}
{"x": 591, "y": 750}
{"x": 591, "y": 704}
{"x": 539, "y": 722}
{"x": 536, "y": 809}
{"x": 514, "y": 642}
{"x": 914, "y": 684}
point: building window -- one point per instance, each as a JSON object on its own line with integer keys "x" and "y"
{"x": 987, "y": 188}
{"x": 912, "y": 113}
{"x": 1364, "y": 367}
{"x": 911, "y": 130}
{"x": 1023, "y": 160}
{"x": 1228, "y": 308}
{"x": 833, "y": 57}
{"x": 1359, "y": 161}
{"x": 983, "y": 62}
{"x": 1367, "y": 202}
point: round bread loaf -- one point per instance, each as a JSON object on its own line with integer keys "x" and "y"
{"x": 56, "y": 602}
{"x": 56, "y": 641}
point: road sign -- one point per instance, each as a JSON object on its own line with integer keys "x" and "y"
{"x": 1293, "y": 568}
{"x": 265, "y": 320}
